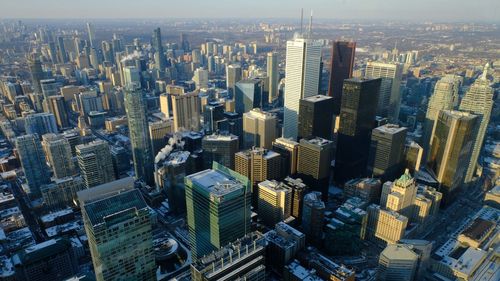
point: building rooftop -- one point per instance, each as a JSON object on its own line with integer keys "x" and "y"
{"x": 259, "y": 151}
{"x": 274, "y": 185}
{"x": 52, "y": 216}
{"x": 317, "y": 98}
{"x": 390, "y": 129}
{"x": 220, "y": 137}
{"x": 44, "y": 250}
{"x": 399, "y": 252}
{"x": 105, "y": 190}
{"x": 317, "y": 141}
{"x": 176, "y": 158}
{"x": 478, "y": 229}
{"x": 215, "y": 183}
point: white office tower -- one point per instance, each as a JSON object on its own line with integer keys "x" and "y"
{"x": 273, "y": 75}
{"x": 478, "y": 100}
{"x": 303, "y": 58}
{"x": 389, "y": 99}
{"x": 200, "y": 78}
{"x": 445, "y": 97}
{"x": 397, "y": 263}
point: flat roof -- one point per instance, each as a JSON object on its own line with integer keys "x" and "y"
{"x": 216, "y": 183}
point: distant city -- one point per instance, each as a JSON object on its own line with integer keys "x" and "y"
{"x": 227, "y": 149}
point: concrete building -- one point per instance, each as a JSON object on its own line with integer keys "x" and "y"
{"x": 158, "y": 133}
{"x": 220, "y": 148}
{"x": 313, "y": 162}
{"x": 384, "y": 225}
{"x": 40, "y": 124}
{"x": 259, "y": 129}
{"x": 186, "y": 111}
{"x": 275, "y": 202}
{"x": 58, "y": 152}
{"x": 386, "y": 155}
{"x": 367, "y": 189}
{"x": 400, "y": 195}
{"x": 397, "y": 263}
{"x": 312, "y": 217}
{"x": 33, "y": 162}
{"x": 62, "y": 192}
{"x": 258, "y": 164}
{"x": 414, "y": 154}
{"x": 289, "y": 150}
{"x": 273, "y": 75}
{"x": 284, "y": 242}
{"x": 233, "y": 76}
{"x": 95, "y": 161}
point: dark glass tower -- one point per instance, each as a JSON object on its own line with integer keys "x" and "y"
{"x": 315, "y": 117}
{"x": 160, "y": 60}
{"x": 37, "y": 73}
{"x": 341, "y": 68}
{"x": 357, "y": 115}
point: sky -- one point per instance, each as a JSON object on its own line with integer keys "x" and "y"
{"x": 413, "y": 10}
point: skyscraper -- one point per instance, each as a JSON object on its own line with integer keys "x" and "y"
{"x": 40, "y": 124}
{"x": 357, "y": 115}
{"x": 452, "y": 144}
{"x": 32, "y": 160}
{"x": 478, "y": 100}
{"x": 288, "y": 149}
{"x": 218, "y": 209}
{"x": 200, "y": 78}
{"x": 57, "y": 106}
{"x": 213, "y": 113}
{"x": 312, "y": 216}
{"x": 258, "y": 165}
{"x": 118, "y": 224}
{"x": 386, "y": 155}
{"x": 314, "y": 161}
{"x": 37, "y": 73}
{"x": 58, "y": 152}
{"x": 341, "y": 68}
{"x": 186, "y": 111}
{"x": 158, "y": 132}
{"x": 95, "y": 162}
{"x": 444, "y": 97}
{"x": 399, "y": 196}
{"x": 389, "y": 99}
{"x": 303, "y": 58}
{"x": 91, "y": 33}
{"x": 233, "y": 76}
{"x": 248, "y": 95}
{"x": 61, "y": 50}
{"x": 259, "y": 129}
{"x": 275, "y": 202}
{"x": 220, "y": 148}
{"x": 315, "y": 117}
{"x": 397, "y": 263}
{"x": 135, "y": 106}
{"x": 273, "y": 75}
{"x": 159, "y": 55}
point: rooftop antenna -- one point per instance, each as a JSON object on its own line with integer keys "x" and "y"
{"x": 310, "y": 24}
{"x": 301, "y": 19}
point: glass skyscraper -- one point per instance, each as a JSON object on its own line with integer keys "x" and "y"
{"x": 32, "y": 160}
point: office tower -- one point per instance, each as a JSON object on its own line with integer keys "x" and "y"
{"x": 452, "y": 144}
{"x": 367, "y": 189}
{"x": 248, "y": 95}
{"x": 243, "y": 259}
{"x": 57, "y": 106}
{"x": 478, "y": 100}
{"x": 233, "y": 124}
{"x": 212, "y": 115}
{"x": 61, "y": 193}
{"x": 58, "y": 152}
{"x": 136, "y": 108}
{"x": 233, "y": 76}
{"x": 158, "y": 132}
{"x": 74, "y": 139}
{"x": 165, "y": 104}
{"x": 389, "y": 99}
{"x": 444, "y": 98}
{"x": 159, "y": 55}
{"x": 259, "y": 129}
{"x": 50, "y": 260}
{"x": 200, "y": 78}
{"x": 91, "y": 33}
{"x": 89, "y": 101}
{"x": 37, "y": 73}
{"x": 131, "y": 74}
{"x": 288, "y": 149}
{"x": 386, "y": 155}
{"x": 423, "y": 249}
{"x": 273, "y": 75}
{"x": 107, "y": 51}
{"x": 397, "y": 263}
{"x": 118, "y": 225}
{"x": 357, "y": 114}
{"x": 385, "y": 226}
{"x": 186, "y": 111}
{"x": 32, "y": 160}
{"x": 40, "y": 124}
{"x": 413, "y": 156}
{"x": 314, "y": 161}
{"x": 303, "y": 58}
{"x": 61, "y": 50}
{"x": 284, "y": 242}
{"x": 399, "y": 196}
{"x": 95, "y": 162}
{"x": 312, "y": 216}
{"x": 258, "y": 164}
{"x": 169, "y": 176}
{"x": 220, "y": 148}
{"x": 341, "y": 67}
{"x": 315, "y": 117}
{"x": 422, "y": 208}
{"x": 218, "y": 209}
{"x": 275, "y": 202}
{"x": 184, "y": 42}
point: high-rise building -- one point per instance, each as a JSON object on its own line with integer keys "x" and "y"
{"x": 389, "y": 99}
{"x": 367, "y": 189}
{"x": 275, "y": 202}
{"x": 37, "y": 73}
{"x": 273, "y": 75}
{"x": 452, "y": 144}
{"x": 258, "y": 164}
{"x": 341, "y": 68}
{"x": 58, "y": 152}
{"x": 32, "y": 160}
{"x": 233, "y": 76}
{"x": 284, "y": 242}
{"x": 444, "y": 98}
{"x": 357, "y": 115}
{"x": 385, "y": 226}
{"x": 289, "y": 150}
{"x": 315, "y": 117}
{"x": 118, "y": 224}
{"x": 200, "y": 78}
{"x": 212, "y": 115}
{"x": 220, "y": 148}
{"x": 259, "y": 129}
{"x": 91, "y": 33}
{"x": 386, "y": 155}
{"x": 397, "y": 263}
{"x": 158, "y": 132}
{"x": 95, "y": 162}
{"x": 40, "y": 124}
{"x": 314, "y": 161}
{"x": 57, "y": 106}
{"x": 186, "y": 111}
{"x": 303, "y": 59}
{"x": 478, "y": 100}
{"x": 243, "y": 259}
{"x": 61, "y": 50}
{"x": 136, "y": 108}
{"x": 248, "y": 95}
{"x": 218, "y": 209}
{"x": 159, "y": 55}
{"x": 312, "y": 216}
{"x": 413, "y": 156}
{"x": 61, "y": 193}
{"x": 399, "y": 196}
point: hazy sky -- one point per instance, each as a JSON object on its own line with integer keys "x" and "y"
{"x": 436, "y": 10}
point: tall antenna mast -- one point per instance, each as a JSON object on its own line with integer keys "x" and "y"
{"x": 310, "y": 25}
{"x": 301, "y": 19}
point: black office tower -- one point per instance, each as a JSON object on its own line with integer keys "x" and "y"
{"x": 341, "y": 67}
{"x": 315, "y": 117}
